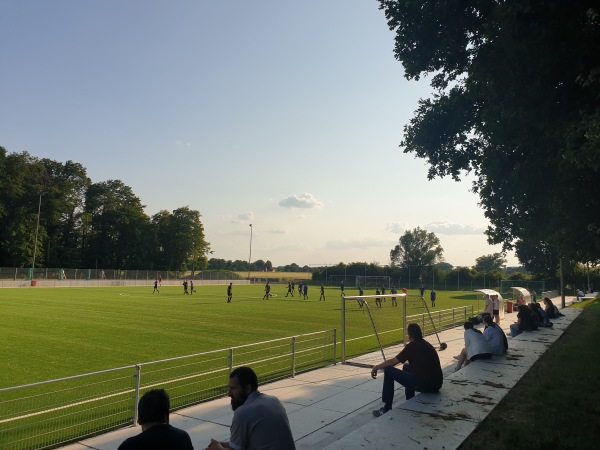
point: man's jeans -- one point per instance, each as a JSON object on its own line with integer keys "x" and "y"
{"x": 406, "y": 379}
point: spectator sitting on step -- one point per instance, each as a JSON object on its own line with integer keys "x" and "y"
{"x": 551, "y": 309}
{"x": 543, "y": 319}
{"x": 423, "y": 373}
{"x": 476, "y": 346}
{"x": 157, "y": 434}
{"x": 526, "y": 321}
{"x": 494, "y": 336}
{"x": 259, "y": 420}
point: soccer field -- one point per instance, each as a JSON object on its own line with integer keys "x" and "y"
{"x": 53, "y": 333}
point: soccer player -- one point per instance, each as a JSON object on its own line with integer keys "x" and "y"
{"x": 422, "y": 291}
{"x": 299, "y": 288}
{"x": 377, "y": 299}
{"x": 305, "y": 291}
{"x": 342, "y": 287}
{"x": 432, "y": 296}
{"x": 192, "y": 287}
{"x": 229, "y": 292}
{"x": 155, "y": 287}
{"x": 267, "y": 291}
{"x": 322, "y": 293}
{"x": 185, "y": 287}
{"x": 289, "y": 291}
{"x": 394, "y": 301}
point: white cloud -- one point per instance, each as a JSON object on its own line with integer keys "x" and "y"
{"x": 396, "y": 227}
{"x": 357, "y": 243}
{"x": 453, "y": 228}
{"x": 304, "y": 200}
{"x": 243, "y": 218}
{"x": 181, "y": 143}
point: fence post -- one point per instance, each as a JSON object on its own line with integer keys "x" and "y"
{"x": 293, "y": 356}
{"x": 334, "y": 347}
{"x": 138, "y": 380}
{"x": 453, "y": 318}
{"x": 230, "y": 360}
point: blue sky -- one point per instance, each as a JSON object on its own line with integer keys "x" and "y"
{"x": 287, "y": 115}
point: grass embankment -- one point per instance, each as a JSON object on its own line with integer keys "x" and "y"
{"x": 556, "y": 404}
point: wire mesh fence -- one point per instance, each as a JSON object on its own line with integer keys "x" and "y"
{"x": 48, "y": 414}
{"x": 65, "y": 274}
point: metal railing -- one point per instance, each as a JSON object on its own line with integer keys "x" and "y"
{"x": 51, "y": 413}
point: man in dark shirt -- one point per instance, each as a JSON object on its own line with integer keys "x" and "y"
{"x": 157, "y": 434}
{"x": 423, "y": 373}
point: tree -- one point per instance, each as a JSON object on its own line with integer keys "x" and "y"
{"x": 416, "y": 248}
{"x": 487, "y": 263}
{"x": 181, "y": 240}
{"x": 120, "y": 233}
{"x": 517, "y": 90}
{"x": 538, "y": 257}
{"x": 63, "y": 190}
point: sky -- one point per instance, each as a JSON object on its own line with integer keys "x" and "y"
{"x": 286, "y": 115}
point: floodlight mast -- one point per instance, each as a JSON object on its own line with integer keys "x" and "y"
{"x": 250, "y": 255}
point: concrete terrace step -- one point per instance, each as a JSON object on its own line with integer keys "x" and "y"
{"x": 445, "y": 419}
{"x": 331, "y": 407}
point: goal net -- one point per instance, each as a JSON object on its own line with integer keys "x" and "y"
{"x": 373, "y": 282}
{"x": 374, "y": 326}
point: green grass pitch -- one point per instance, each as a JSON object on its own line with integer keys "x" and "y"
{"x": 58, "y": 332}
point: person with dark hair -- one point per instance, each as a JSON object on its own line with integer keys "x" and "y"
{"x": 476, "y": 346}
{"x": 542, "y": 317}
{"x": 526, "y": 321}
{"x": 423, "y": 373}
{"x": 494, "y": 336}
{"x": 551, "y": 309}
{"x": 259, "y": 420}
{"x": 157, "y": 434}
{"x": 229, "y": 292}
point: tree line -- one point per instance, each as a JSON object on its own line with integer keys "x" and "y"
{"x": 52, "y": 212}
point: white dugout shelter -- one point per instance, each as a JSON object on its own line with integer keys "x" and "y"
{"x": 490, "y": 292}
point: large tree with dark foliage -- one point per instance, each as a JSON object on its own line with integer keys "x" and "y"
{"x": 416, "y": 247}
{"x": 516, "y": 102}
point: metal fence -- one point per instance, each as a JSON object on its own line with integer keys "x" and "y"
{"x": 52, "y": 413}
{"x": 64, "y": 274}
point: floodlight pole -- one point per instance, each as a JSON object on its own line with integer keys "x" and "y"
{"x": 37, "y": 225}
{"x": 250, "y": 256}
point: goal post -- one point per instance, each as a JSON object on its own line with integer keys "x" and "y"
{"x": 372, "y": 333}
{"x": 372, "y": 282}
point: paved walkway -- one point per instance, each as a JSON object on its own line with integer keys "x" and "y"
{"x": 331, "y": 407}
